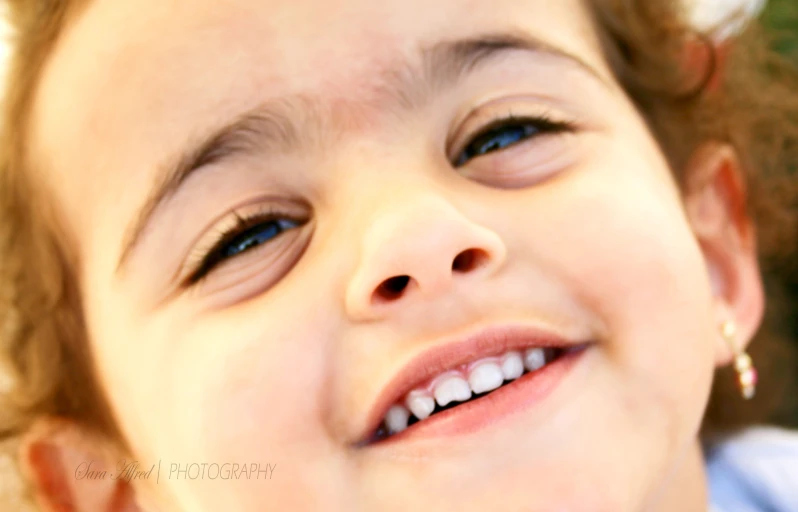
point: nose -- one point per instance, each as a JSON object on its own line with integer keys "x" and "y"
{"x": 415, "y": 249}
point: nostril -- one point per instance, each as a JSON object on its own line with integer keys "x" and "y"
{"x": 469, "y": 259}
{"x": 392, "y": 288}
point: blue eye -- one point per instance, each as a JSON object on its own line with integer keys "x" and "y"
{"x": 505, "y": 133}
{"x": 248, "y": 233}
{"x": 255, "y": 236}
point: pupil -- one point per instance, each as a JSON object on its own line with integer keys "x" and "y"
{"x": 252, "y": 238}
{"x": 496, "y": 140}
{"x": 502, "y": 138}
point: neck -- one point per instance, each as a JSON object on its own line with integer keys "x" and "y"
{"x": 686, "y": 488}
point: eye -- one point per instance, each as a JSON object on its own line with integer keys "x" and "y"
{"x": 503, "y": 133}
{"x": 247, "y": 234}
{"x": 255, "y": 236}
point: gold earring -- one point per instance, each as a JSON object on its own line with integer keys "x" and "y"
{"x": 746, "y": 373}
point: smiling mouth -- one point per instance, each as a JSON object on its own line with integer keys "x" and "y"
{"x": 475, "y": 392}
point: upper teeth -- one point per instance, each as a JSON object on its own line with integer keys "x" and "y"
{"x": 420, "y": 404}
{"x": 451, "y": 389}
{"x": 534, "y": 359}
{"x": 396, "y": 419}
{"x": 484, "y": 375}
{"x": 512, "y": 365}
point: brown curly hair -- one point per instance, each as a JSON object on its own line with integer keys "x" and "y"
{"x": 753, "y": 105}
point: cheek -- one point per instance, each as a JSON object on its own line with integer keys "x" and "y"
{"x": 260, "y": 392}
{"x": 248, "y": 392}
{"x": 615, "y": 232}
{"x": 240, "y": 385}
{"x": 615, "y": 236}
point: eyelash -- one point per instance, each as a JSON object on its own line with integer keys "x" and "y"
{"x": 214, "y": 256}
{"x": 543, "y": 125}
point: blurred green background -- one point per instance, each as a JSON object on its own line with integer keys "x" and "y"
{"x": 782, "y": 17}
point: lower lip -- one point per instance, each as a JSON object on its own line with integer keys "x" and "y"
{"x": 513, "y": 398}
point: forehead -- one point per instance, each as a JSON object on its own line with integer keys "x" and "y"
{"x": 130, "y": 80}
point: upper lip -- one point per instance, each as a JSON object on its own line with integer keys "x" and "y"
{"x": 451, "y": 353}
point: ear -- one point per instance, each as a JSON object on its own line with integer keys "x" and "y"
{"x": 715, "y": 199}
{"x": 65, "y": 466}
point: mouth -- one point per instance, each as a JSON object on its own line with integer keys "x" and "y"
{"x": 461, "y": 386}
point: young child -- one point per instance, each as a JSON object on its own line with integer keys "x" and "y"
{"x": 366, "y": 256}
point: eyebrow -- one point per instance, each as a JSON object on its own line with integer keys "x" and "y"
{"x": 272, "y": 125}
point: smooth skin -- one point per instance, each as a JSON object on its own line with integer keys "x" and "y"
{"x": 362, "y": 146}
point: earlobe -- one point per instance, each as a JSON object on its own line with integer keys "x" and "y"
{"x": 69, "y": 473}
{"x": 715, "y": 200}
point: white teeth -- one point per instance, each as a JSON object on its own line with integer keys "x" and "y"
{"x": 452, "y": 389}
{"x": 420, "y": 404}
{"x": 485, "y": 377}
{"x": 396, "y": 419}
{"x": 534, "y": 359}
{"x": 512, "y": 366}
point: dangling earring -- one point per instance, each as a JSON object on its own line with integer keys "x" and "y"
{"x": 746, "y": 373}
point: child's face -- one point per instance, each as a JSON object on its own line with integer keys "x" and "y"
{"x": 360, "y": 133}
